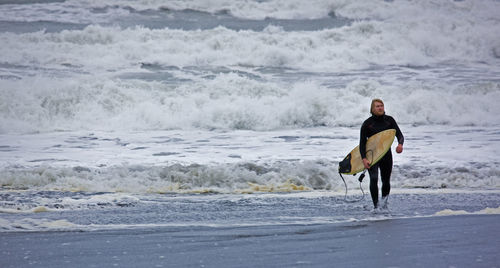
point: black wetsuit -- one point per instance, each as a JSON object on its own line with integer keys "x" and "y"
{"x": 371, "y": 126}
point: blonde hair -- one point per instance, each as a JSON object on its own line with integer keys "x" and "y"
{"x": 373, "y": 104}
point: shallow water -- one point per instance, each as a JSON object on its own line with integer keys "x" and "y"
{"x": 65, "y": 211}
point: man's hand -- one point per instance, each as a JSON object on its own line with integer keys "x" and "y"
{"x": 399, "y": 149}
{"x": 366, "y": 163}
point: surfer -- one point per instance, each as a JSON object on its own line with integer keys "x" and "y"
{"x": 378, "y": 122}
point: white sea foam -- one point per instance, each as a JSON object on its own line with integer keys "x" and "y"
{"x": 31, "y": 225}
{"x": 296, "y": 9}
{"x": 485, "y": 211}
{"x": 65, "y": 12}
{"x": 244, "y": 178}
{"x": 430, "y": 69}
{"x": 18, "y": 210}
{"x": 399, "y": 32}
{"x": 217, "y": 78}
{"x": 240, "y": 161}
{"x": 45, "y": 225}
{"x": 230, "y": 101}
{"x": 359, "y": 45}
{"x": 233, "y": 178}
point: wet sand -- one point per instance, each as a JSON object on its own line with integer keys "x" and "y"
{"x": 447, "y": 241}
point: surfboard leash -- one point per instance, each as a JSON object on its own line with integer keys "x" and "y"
{"x": 360, "y": 179}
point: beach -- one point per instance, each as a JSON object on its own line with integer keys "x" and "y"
{"x": 446, "y": 241}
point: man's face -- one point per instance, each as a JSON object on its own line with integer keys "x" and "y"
{"x": 378, "y": 109}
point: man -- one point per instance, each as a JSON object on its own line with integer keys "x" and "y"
{"x": 378, "y": 122}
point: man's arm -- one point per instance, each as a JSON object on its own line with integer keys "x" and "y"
{"x": 399, "y": 136}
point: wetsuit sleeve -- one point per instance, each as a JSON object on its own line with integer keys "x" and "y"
{"x": 399, "y": 134}
{"x": 362, "y": 141}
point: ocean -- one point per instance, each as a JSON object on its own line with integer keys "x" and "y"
{"x": 120, "y": 115}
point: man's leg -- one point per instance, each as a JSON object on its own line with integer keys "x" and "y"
{"x": 373, "y": 171}
{"x": 385, "y": 174}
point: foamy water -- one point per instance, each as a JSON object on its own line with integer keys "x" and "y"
{"x": 136, "y": 100}
{"x": 239, "y": 161}
{"x": 109, "y": 75}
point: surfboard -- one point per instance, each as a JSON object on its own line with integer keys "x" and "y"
{"x": 376, "y": 147}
